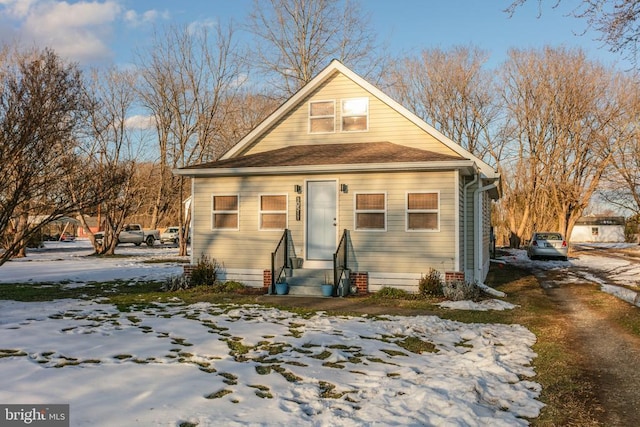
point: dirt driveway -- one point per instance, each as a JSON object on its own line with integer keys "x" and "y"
{"x": 610, "y": 355}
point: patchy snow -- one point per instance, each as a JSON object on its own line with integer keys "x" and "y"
{"x": 165, "y": 364}
{"x": 172, "y": 363}
{"x": 622, "y": 275}
{"x": 484, "y": 305}
{"x": 207, "y": 364}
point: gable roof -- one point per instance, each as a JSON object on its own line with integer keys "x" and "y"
{"x": 324, "y": 157}
{"x": 337, "y": 67}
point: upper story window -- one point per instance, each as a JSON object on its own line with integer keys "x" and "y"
{"x": 224, "y": 212}
{"x": 273, "y": 212}
{"x": 423, "y": 211}
{"x": 322, "y": 116}
{"x": 355, "y": 114}
{"x": 371, "y": 211}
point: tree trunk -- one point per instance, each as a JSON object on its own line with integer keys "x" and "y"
{"x": 21, "y": 229}
{"x": 184, "y": 234}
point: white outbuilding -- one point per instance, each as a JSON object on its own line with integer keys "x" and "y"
{"x": 597, "y": 228}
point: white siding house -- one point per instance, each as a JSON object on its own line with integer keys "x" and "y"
{"x": 342, "y": 170}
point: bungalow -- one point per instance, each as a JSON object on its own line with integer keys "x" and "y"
{"x": 341, "y": 184}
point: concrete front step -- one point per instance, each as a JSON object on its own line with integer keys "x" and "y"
{"x": 308, "y": 282}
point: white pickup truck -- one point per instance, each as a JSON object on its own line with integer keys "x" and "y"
{"x": 134, "y": 233}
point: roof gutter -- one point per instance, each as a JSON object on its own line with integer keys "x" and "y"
{"x": 330, "y": 168}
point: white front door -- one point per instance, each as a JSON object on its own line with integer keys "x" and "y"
{"x": 321, "y": 222}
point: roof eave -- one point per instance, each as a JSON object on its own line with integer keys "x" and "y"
{"x": 468, "y": 167}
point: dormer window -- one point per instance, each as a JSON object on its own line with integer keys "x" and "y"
{"x": 322, "y": 117}
{"x": 355, "y": 115}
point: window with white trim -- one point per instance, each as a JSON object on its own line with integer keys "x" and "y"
{"x": 322, "y": 116}
{"x": 273, "y": 212}
{"x": 225, "y": 212}
{"x": 371, "y": 211}
{"x": 423, "y": 211}
{"x": 355, "y": 114}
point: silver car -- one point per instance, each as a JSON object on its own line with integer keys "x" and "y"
{"x": 170, "y": 235}
{"x": 547, "y": 245}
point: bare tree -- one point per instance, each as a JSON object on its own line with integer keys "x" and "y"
{"x": 42, "y": 105}
{"x": 563, "y": 120}
{"x": 450, "y": 90}
{"x": 190, "y": 77}
{"x": 295, "y": 39}
{"x": 245, "y": 111}
{"x": 111, "y": 154}
{"x": 616, "y": 20}
{"x": 621, "y": 183}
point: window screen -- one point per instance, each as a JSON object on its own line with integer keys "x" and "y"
{"x": 273, "y": 212}
{"x": 225, "y": 212}
{"x": 370, "y": 211}
{"x": 423, "y": 211}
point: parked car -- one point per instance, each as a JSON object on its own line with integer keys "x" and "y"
{"x": 170, "y": 235}
{"x": 133, "y": 233}
{"x": 547, "y": 245}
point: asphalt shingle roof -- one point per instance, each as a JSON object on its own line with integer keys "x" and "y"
{"x": 331, "y": 154}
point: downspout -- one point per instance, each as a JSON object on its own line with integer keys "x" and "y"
{"x": 477, "y": 261}
{"x": 191, "y": 219}
{"x": 475, "y": 179}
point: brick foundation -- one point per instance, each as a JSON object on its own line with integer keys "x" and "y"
{"x": 266, "y": 278}
{"x": 187, "y": 270}
{"x": 454, "y": 276}
{"x": 361, "y": 281}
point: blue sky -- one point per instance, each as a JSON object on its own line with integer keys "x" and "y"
{"x": 95, "y": 32}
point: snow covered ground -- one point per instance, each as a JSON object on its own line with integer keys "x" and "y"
{"x": 69, "y": 262}
{"x": 168, "y": 364}
{"x": 616, "y": 276}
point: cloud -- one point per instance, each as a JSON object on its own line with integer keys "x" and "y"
{"x": 140, "y": 122}
{"x": 17, "y": 8}
{"x": 136, "y": 19}
{"x": 80, "y": 30}
{"x": 198, "y": 26}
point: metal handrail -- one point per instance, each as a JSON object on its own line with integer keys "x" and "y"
{"x": 279, "y": 259}
{"x": 341, "y": 262}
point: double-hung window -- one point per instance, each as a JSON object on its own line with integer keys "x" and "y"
{"x": 423, "y": 211}
{"x": 355, "y": 114}
{"x": 322, "y": 116}
{"x": 225, "y": 212}
{"x": 273, "y": 212}
{"x": 371, "y": 211}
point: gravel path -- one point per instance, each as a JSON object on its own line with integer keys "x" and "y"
{"x": 611, "y": 356}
